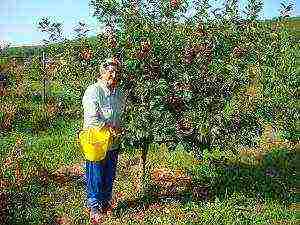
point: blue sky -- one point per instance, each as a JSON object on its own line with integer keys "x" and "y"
{"x": 18, "y": 18}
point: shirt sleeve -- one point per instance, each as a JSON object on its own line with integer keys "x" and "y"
{"x": 91, "y": 109}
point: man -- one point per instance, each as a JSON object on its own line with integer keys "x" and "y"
{"x": 102, "y": 103}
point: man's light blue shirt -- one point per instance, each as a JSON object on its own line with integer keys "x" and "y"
{"x": 102, "y": 106}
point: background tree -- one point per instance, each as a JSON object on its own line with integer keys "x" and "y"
{"x": 253, "y": 9}
{"x": 286, "y": 9}
{"x": 54, "y": 30}
{"x": 81, "y": 30}
{"x": 232, "y": 9}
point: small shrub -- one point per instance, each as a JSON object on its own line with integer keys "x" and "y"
{"x": 41, "y": 119}
{"x": 22, "y": 118}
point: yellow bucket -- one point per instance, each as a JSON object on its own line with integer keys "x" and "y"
{"x": 95, "y": 143}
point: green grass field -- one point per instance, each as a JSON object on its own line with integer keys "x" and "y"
{"x": 248, "y": 197}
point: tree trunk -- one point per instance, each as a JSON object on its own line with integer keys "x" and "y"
{"x": 145, "y": 147}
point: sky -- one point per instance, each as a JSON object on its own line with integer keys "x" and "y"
{"x": 19, "y": 18}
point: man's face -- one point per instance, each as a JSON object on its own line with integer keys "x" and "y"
{"x": 110, "y": 74}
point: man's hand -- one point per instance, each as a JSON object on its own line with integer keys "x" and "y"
{"x": 113, "y": 130}
{"x": 117, "y": 131}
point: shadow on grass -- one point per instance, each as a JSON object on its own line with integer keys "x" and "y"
{"x": 273, "y": 177}
{"x": 149, "y": 199}
{"x": 34, "y": 201}
{"x": 24, "y": 205}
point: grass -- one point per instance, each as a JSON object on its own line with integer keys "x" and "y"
{"x": 230, "y": 203}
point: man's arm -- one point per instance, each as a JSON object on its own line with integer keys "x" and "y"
{"x": 91, "y": 109}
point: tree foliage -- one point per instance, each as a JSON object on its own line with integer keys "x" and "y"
{"x": 199, "y": 82}
{"x": 208, "y": 80}
{"x": 54, "y": 30}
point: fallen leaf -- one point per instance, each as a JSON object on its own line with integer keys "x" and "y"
{"x": 139, "y": 216}
{"x": 63, "y": 220}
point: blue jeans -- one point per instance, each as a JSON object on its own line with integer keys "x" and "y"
{"x": 100, "y": 177}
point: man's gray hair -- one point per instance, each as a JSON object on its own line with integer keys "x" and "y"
{"x": 106, "y": 62}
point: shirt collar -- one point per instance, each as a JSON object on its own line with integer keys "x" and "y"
{"x": 107, "y": 90}
{"x": 104, "y": 85}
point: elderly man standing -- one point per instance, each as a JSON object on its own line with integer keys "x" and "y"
{"x": 102, "y": 104}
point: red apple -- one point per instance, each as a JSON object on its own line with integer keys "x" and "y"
{"x": 174, "y": 3}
